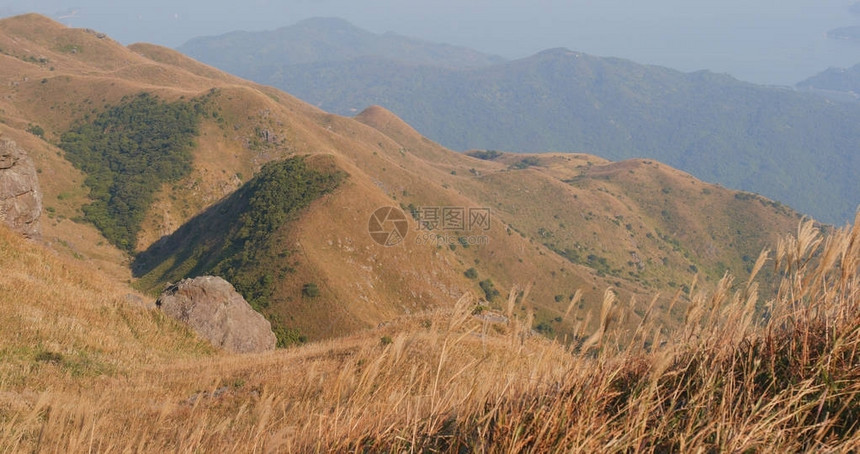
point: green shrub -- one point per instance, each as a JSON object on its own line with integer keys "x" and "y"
{"x": 490, "y": 292}
{"x": 545, "y": 328}
{"x": 288, "y": 336}
{"x": 471, "y": 273}
{"x": 310, "y": 290}
{"x": 486, "y": 155}
{"x": 526, "y": 163}
{"x": 36, "y": 130}
{"x": 49, "y": 357}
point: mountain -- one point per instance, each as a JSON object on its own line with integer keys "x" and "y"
{"x": 797, "y": 148}
{"x": 316, "y": 40}
{"x": 844, "y": 81}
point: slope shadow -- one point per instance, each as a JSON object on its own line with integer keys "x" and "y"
{"x": 194, "y": 248}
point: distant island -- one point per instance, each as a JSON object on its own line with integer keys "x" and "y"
{"x": 847, "y": 33}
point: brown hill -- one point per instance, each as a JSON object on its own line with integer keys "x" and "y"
{"x": 559, "y": 223}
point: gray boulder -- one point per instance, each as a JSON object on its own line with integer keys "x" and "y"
{"x": 213, "y": 308}
{"x": 20, "y": 195}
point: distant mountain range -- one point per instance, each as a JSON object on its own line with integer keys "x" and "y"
{"x": 851, "y": 33}
{"x": 795, "y": 147}
{"x": 324, "y": 40}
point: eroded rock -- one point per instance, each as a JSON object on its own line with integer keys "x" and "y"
{"x": 213, "y": 308}
{"x": 20, "y": 195}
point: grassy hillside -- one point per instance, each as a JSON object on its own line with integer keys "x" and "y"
{"x": 562, "y": 225}
{"x": 63, "y": 322}
{"x": 790, "y": 146}
{"x": 450, "y": 381}
{"x": 635, "y": 224}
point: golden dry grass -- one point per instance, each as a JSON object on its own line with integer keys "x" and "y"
{"x": 735, "y": 379}
{"x": 59, "y": 319}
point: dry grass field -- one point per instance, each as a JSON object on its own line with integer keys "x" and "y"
{"x": 95, "y": 375}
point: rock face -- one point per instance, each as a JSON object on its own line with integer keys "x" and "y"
{"x": 20, "y": 195}
{"x": 213, "y": 308}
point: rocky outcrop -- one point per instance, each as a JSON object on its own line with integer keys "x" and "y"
{"x": 20, "y": 195}
{"x": 213, "y": 308}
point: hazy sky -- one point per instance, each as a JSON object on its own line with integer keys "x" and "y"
{"x": 779, "y": 42}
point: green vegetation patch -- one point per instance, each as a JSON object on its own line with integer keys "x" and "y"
{"x": 486, "y": 155}
{"x": 525, "y": 163}
{"x": 36, "y": 130}
{"x": 489, "y": 289}
{"x": 128, "y": 152}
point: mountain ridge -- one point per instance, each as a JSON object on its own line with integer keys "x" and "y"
{"x": 787, "y": 145}
{"x": 332, "y": 39}
{"x": 844, "y": 80}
